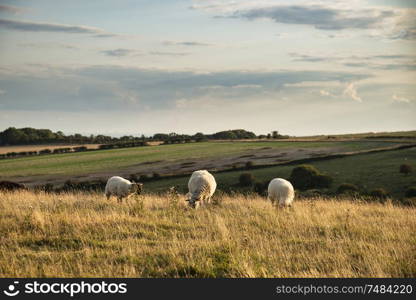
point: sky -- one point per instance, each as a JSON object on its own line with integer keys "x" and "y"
{"x": 137, "y": 67}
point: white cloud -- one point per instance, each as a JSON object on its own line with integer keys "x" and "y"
{"x": 400, "y": 99}
{"x": 351, "y": 91}
{"x": 326, "y": 93}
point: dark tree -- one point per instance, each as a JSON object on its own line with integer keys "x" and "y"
{"x": 246, "y": 179}
{"x": 405, "y": 169}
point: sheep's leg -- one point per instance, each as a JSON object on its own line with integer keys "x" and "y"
{"x": 119, "y": 199}
{"x": 108, "y": 196}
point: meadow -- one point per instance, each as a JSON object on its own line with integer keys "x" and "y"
{"x": 94, "y": 161}
{"x": 84, "y": 235}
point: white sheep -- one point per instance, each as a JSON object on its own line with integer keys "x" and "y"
{"x": 281, "y": 192}
{"x": 120, "y": 187}
{"x": 201, "y": 187}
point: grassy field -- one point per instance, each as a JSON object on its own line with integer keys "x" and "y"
{"x": 368, "y": 171}
{"x": 84, "y": 235}
{"x": 111, "y": 160}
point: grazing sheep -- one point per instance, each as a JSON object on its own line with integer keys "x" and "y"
{"x": 281, "y": 192}
{"x": 121, "y": 187}
{"x": 201, "y": 187}
{"x": 11, "y": 186}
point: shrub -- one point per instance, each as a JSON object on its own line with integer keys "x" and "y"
{"x": 95, "y": 186}
{"x": 410, "y": 192}
{"x": 106, "y": 146}
{"x": 45, "y": 151}
{"x": 405, "y": 169}
{"x": 68, "y": 185}
{"x": 47, "y": 188}
{"x": 321, "y": 181}
{"x": 260, "y": 187}
{"x": 246, "y": 179}
{"x": 61, "y": 150}
{"x": 347, "y": 188}
{"x": 80, "y": 149}
{"x": 313, "y": 193}
{"x": 302, "y": 176}
{"x": 379, "y": 194}
{"x": 306, "y": 177}
{"x": 249, "y": 165}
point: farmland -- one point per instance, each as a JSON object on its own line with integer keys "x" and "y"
{"x": 169, "y": 159}
{"x": 367, "y": 171}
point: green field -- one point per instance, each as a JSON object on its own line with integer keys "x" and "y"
{"x": 367, "y": 171}
{"x": 111, "y": 160}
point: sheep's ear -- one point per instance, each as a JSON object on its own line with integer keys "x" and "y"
{"x": 133, "y": 182}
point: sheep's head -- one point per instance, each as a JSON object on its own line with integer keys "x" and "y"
{"x": 193, "y": 202}
{"x": 136, "y": 188}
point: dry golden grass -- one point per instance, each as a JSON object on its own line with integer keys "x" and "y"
{"x": 84, "y": 235}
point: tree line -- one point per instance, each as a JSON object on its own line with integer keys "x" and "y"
{"x": 32, "y": 136}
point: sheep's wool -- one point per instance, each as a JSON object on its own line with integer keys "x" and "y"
{"x": 281, "y": 192}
